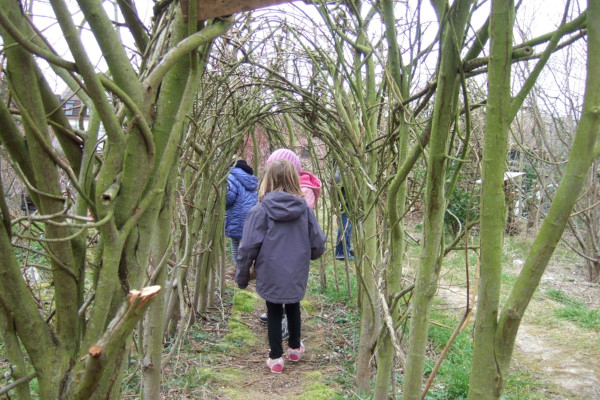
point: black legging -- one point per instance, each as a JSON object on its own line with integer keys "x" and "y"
{"x": 274, "y": 316}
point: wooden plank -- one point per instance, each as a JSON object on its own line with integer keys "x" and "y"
{"x": 208, "y": 9}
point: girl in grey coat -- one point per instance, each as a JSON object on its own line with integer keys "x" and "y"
{"x": 281, "y": 236}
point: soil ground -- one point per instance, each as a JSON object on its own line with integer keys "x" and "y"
{"x": 567, "y": 357}
{"x": 241, "y": 373}
{"x": 562, "y": 358}
{"x": 257, "y": 382}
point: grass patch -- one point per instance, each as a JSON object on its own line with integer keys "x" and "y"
{"x": 192, "y": 381}
{"x": 508, "y": 279}
{"x": 453, "y": 268}
{"x": 317, "y": 390}
{"x": 339, "y": 287}
{"x": 309, "y": 306}
{"x": 339, "y": 347}
{"x": 244, "y": 302}
{"x": 452, "y": 379}
{"x": 522, "y": 384}
{"x": 239, "y": 336}
{"x": 515, "y": 247}
{"x": 229, "y": 377}
{"x": 575, "y": 311}
{"x": 561, "y": 297}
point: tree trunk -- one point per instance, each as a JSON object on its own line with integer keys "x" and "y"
{"x": 445, "y": 108}
{"x": 396, "y": 201}
{"x": 128, "y": 186}
{"x": 581, "y": 158}
{"x": 369, "y": 267}
{"x": 483, "y": 376}
{"x": 494, "y": 338}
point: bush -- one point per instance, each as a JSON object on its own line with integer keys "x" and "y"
{"x": 462, "y": 204}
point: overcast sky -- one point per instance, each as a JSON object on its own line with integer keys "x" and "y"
{"x": 536, "y": 16}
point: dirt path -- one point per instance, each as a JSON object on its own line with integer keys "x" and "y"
{"x": 552, "y": 353}
{"x": 569, "y": 372}
{"x": 259, "y": 383}
{"x": 562, "y": 358}
{"x": 310, "y": 378}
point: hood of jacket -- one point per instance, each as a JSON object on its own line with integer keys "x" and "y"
{"x": 282, "y": 206}
{"x": 248, "y": 181}
{"x": 309, "y": 180}
{"x": 243, "y": 165}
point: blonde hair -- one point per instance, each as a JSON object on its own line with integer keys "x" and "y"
{"x": 280, "y": 175}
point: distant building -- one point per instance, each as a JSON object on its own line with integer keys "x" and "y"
{"x": 73, "y": 107}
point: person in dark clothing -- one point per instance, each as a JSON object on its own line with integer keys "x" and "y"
{"x": 343, "y": 247}
{"x": 27, "y": 205}
{"x": 281, "y": 237}
{"x": 241, "y": 197}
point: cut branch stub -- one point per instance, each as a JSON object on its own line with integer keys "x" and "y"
{"x": 522, "y": 52}
{"x": 207, "y": 9}
{"x": 143, "y": 296}
{"x": 95, "y": 351}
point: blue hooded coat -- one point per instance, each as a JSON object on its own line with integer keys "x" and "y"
{"x": 241, "y": 197}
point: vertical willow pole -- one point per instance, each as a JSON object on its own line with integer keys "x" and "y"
{"x": 398, "y": 81}
{"x": 453, "y": 23}
{"x": 83, "y": 356}
{"x": 494, "y": 337}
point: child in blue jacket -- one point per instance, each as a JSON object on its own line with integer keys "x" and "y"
{"x": 281, "y": 237}
{"x": 241, "y": 197}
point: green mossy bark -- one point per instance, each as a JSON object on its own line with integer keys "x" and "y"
{"x": 51, "y": 350}
{"x": 495, "y": 335}
{"x": 486, "y": 383}
{"x": 445, "y": 107}
{"x": 131, "y": 194}
{"x": 396, "y": 200}
{"x": 369, "y": 265}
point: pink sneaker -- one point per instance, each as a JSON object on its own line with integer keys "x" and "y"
{"x": 294, "y": 354}
{"x": 275, "y": 365}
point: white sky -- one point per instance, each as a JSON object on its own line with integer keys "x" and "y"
{"x": 537, "y": 16}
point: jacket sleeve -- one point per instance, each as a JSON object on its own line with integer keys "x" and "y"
{"x": 317, "y": 237}
{"x": 255, "y": 228}
{"x": 309, "y": 196}
{"x": 232, "y": 192}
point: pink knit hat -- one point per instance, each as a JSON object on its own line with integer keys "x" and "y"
{"x": 286, "y": 154}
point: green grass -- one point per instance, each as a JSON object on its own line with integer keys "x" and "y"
{"x": 193, "y": 380}
{"x": 453, "y": 268}
{"x": 340, "y": 310}
{"x": 575, "y": 311}
{"x": 524, "y": 385}
{"x": 244, "y": 302}
{"x": 452, "y": 379}
{"x": 317, "y": 390}
{"x": 561, "y": 297}
{"x": 508, "y": 279}
{"x": 333, "y": 293}
{"x": 240, "y": 335}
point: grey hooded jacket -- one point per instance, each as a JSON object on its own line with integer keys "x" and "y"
{"x": 281, "y": 236}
